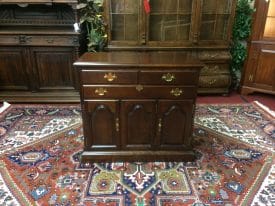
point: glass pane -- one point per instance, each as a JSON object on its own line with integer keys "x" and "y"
{"x": 117, "y": 31}
{"x": 117, "y": 6}
{"x": 170, "y": 20}
{"x": 216, "y": 6}
{"x": 124, "y": 19}
{"x": 269, "y": 30}
{"x": 185, "y": 6}
{"x": 131, "y": 30}
{"x": 163, "y": 6}
{"x": 207, "y": 26}
{"x": 209, "y": 6}
{"x": 221, "y": 27}
{"x": 131, "y": 6}
{"x": 184, "y": 25}
{"x": 215, "y": 19}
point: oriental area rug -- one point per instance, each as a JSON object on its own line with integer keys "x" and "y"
{"x": 40, "y": 148}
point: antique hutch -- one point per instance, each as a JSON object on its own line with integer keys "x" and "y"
{"x": 38, "y": 45}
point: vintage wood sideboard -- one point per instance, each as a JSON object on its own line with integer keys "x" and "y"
{"x": 138, "y": 106}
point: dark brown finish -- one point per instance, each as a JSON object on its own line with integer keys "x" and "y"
{"x": 201, "y": 27}
{"x": 259, "y": 70}
{"x": 38, "y": 46}
{"x": 138, "y": 106}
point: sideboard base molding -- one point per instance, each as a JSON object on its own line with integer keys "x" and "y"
{"x": 99, "y": 156}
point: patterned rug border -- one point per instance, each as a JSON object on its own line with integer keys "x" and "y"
{"x": 19, "y": 195}
{"x": 259, "y": 180}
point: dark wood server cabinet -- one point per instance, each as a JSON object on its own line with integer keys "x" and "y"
{"x": 259, "y": 72}
{"x": 138, "y": 106}
{"x": 198, "y": 26}
{"x": 38, "y": 45}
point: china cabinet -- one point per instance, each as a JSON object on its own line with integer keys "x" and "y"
{"x": 138, "y": 106}
{"x": 38, "y": 45}
{"x": 259, "y": 71}
{"x": 202, "y": 27}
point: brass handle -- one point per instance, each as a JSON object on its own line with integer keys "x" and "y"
{"x": 212, "y": 81}
{"x": 168, "y": 77}
{"x": 159, "y": 125}
{"x": 101, "y": 91}
{"x": 176, "y": 92}
{"x": 250, "y": 78}
{"x": 117, "y": 124}
{"x": 110, "y": 76}
{"x": 139, "y": 88}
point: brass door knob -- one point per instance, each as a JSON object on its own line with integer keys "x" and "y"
{"x": 168, "y": 77}
{"x": 110, "y": 76}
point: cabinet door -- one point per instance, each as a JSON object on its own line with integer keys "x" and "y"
{"x": 261, "y": 73}
{"x": 52, "y": 67}
{"x": 138, "y": 124}
{"x": 101, "y": 125}
{"x": 174, "y": 124}
{"x": 216, "y": 19}
{"x": 13, "y": 69}
{"x": 125, "y": 21}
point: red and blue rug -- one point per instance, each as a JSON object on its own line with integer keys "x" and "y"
{"x": 40, "y": 147}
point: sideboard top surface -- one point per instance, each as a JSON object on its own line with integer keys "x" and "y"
{"x": 139, "y": 59}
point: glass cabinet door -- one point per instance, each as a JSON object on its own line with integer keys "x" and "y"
{"x": 170, "y": 20}
{"x": 124, "y": 20}
{"x": 215, "y": 19}
{"x": 269, "y": 29}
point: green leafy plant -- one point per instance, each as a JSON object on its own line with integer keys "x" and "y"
{"x": 240, "y": 33}
{"x": 92, "y": 22}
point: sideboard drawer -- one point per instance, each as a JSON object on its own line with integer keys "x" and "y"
{"x": 168, "y": 77}
{"x": 138, "y": 91}
{"x": 108, "y": 77}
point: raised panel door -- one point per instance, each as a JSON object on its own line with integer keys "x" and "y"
{"x": 138, "y": 124}
{"x": 101, "y": 123}
{"x": 53, "y": 68}
{"x": 174, "y": 128}
{"x": 13, "y": 73}
{"x": 259, "y": 71}
{"x": 264, "y": 75}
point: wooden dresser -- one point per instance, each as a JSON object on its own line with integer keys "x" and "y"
{"x": 138, "y": 106}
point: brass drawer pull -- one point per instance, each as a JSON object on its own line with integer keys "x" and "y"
{"x": 168, "y": 77}
{"x": 117, "y": 124}
{"x": 101, "y": 91}
{"x": 176, "y": 92}
{"x": 159, "y": 125}
{"x": 213, "y": 81}
{"x": 110, "y": 76}
{"x": 139, "y": 88}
